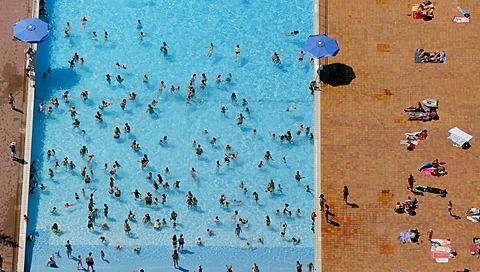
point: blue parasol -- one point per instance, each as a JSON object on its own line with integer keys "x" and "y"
{"x": 31, "y": 30}
{"x": 321, "y": 46}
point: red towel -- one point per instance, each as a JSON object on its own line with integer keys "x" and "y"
{"x": 417, "y": 15}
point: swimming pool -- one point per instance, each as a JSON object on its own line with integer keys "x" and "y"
{"x": 187, "y": 27}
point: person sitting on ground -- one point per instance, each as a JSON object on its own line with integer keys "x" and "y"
{"x": 399, "y": 208}
{"x": 431, "y": 57}
{"x": 426, "y": 8}
{"x": 439, "y": 170}
{"x": 411, "y": 202}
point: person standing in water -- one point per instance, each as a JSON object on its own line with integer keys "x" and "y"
{"x": 175, "y": 258}
{"x": 237, "y": 52}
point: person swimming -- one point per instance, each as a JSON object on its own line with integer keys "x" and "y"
{"x": 292, "y": 108}
{"x": 293, "y": 33}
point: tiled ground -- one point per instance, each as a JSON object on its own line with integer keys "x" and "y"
{"x": 363, "y": 123}
{"x": 11, "y": 122}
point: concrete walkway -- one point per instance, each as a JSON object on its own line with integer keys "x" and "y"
{"x": 363, "y": 123}
{"x": 12, "y": 123}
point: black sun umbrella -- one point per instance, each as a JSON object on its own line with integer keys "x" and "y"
{"x": 336, "y": 74}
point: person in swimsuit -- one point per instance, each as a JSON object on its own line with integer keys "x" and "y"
{"x": 237, "y": 52}
{"x": 89, "y": 261}
{"x": 293, "y": 33}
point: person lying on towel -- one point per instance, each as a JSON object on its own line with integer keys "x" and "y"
{"x": 426, "y": 9}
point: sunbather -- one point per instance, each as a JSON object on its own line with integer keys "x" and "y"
{"x": 419, "y": 108}
{"x": 440, "y": 171}
{"x": 421, "y": 135}
{"x": 399, "y": 208}
{"x": 429, "y": 164}
{"x": 431, "y": 57}
{"x": 411, "y": 202}
{"x": 423, "y": 116}
{"x": 426, "y": 8}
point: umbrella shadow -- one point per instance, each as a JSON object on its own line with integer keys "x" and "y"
{"x": 336, "y": 74}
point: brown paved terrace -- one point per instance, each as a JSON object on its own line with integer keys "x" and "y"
{"x": 12, "y": 123}
{"x": 363, "y": 123}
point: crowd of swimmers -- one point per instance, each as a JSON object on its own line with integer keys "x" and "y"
{"x": 148, "y": 197}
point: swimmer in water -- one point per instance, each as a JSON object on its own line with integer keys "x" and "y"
{"x": 276, "y": 58}
{"x": 237, "y": 52}
{"x": 119, "y": 65}
{"x": 161, "y": 86}
{"x": 293, "y": 33}
{"x": 210, "y": 50}
{"x": 292, "y": 108}
{"x": 228, "y": 79}
{"x": 164, "y": 49}
{"x": 84, "y": 22}
{"x": 119, "y": 79}
{"x": 240, "y": 119}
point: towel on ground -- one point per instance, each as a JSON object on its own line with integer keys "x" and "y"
{"x": 458, "y": 136}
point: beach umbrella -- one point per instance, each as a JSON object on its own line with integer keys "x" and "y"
{"x": 31, "y": 30}
{"x": 321, "y": 46}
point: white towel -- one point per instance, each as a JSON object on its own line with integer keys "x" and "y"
{"x": 458, "y": 136}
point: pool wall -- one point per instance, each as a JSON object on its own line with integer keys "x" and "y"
{"x": 317, "y": 145}
{"x": 22, "y": 231}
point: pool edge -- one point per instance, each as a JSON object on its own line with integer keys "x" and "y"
{"x": 22, "y": 230}
{"x": 317, "y": 144}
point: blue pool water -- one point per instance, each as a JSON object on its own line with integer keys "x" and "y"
{"x": 188, "y": 27}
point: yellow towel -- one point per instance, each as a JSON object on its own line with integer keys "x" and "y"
{"x": 416, "y": 6}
